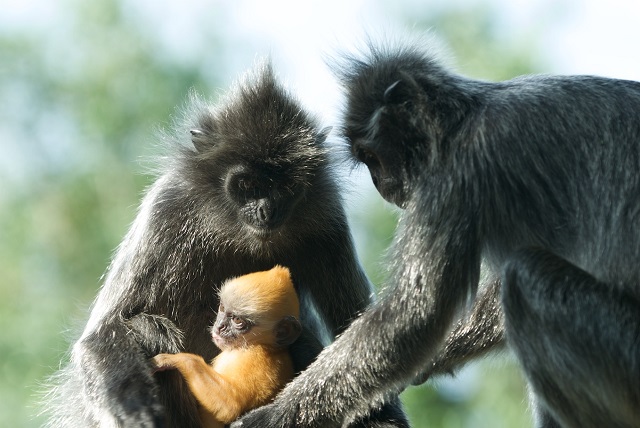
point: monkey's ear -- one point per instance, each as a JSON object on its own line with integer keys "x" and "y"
{"x": 401, "y": 90}
{"x": 199, "y": 139}
{"x": 287, "y": 330}
{"x": 323, "y": 134}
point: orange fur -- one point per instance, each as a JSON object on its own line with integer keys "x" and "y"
{"x": 244, "y": 377}
{"x": 268, "y": 292}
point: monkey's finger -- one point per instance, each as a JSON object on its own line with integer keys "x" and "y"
{"x": 162, "y": 362}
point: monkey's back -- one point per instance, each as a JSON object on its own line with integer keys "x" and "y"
{"x": 583, "y": 166}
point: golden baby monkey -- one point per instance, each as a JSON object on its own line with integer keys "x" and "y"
{"x": 257, "y": 321}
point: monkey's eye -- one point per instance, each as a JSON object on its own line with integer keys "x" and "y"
{"x": 244, "y": 184}
{"x": 239, "y": 323}
{"x": 366, "y": 156}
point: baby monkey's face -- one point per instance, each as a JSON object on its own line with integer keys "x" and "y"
{"x": 259, "y": 308}
{"x": 233, "y": 329}
{"x": 230, "y": 329}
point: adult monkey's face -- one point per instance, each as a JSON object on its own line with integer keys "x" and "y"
{"x": 383, "y": 134}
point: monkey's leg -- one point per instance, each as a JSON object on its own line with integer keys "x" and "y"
{"x": 474, "y": 336}
{"x": 577, "y": 339}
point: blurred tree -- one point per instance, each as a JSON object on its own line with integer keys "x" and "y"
{"x": 480, "y": 47}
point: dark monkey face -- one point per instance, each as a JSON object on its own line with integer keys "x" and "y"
{"x": 236, "y": 329}
{"x": 261, "y": 187}
{"x": 400, "y": 108}
{"x": 385, "y": 165}
{"x": 258, "y": 172}
{"x": 382, "y": 128}
{"x": 265, "y": 195}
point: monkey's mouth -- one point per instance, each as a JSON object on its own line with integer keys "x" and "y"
{"x": 265, "y": 230}
{"x": 264, "y": 227}
{"x": 265, "y": 236}
{"x": 260, "y": 231}
{"x": 393, "y": 192}
{"x": 397, "y": 198}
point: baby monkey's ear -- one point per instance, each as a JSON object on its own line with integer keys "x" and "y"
{"x": 287, "y": 330}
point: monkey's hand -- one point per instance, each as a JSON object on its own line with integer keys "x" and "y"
{"x": 314, "y": 399}
{"x": 163, "y": 362}
{"x": 286, "y": 410}
{"x": 266, "y": 416}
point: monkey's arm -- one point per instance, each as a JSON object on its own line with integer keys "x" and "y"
{"x": 218, "y": 397}
{"x": 474, "y": 336}
{"x": 341, "y": 291}
{"x": 305, "y": 350}
{"x": 124, "y": 387}
{"x": 335, "y": 282}
{"x": 383, "y": 349}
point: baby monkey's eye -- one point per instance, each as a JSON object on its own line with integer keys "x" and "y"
{"x": 239, "y": 323}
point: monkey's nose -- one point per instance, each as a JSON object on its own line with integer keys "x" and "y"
{"x": 266, "y": 215}
{"x": 263, "y": 213}
{"x": 217, "y": 329}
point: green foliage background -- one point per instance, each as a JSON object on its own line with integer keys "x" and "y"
{"x": 80, "y": 107}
